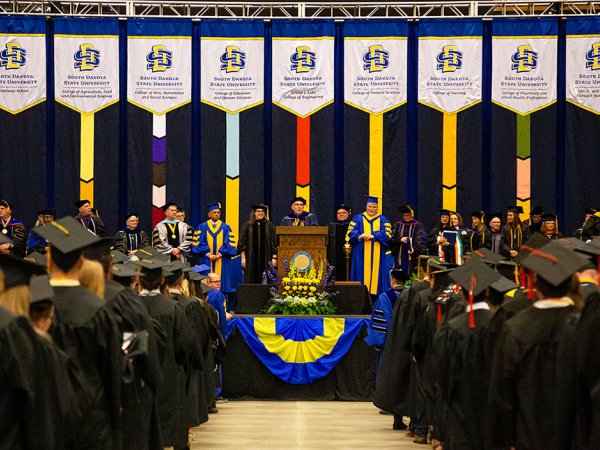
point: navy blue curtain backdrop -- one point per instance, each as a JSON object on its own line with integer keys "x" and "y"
{"x": 563, "y": 151}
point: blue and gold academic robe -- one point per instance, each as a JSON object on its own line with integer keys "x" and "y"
{"x": 371, "y": 260}
{"x": 381, "y": 318}
{"x": 215, "y": 239}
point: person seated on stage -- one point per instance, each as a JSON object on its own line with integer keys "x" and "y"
{"x": 89, "y": 218}
{"x": 130, "y": 239}
{"x": 36, "y": 243}
{"x": 549, "y": 227}
{"x": 171, "y": 236}
{"x": 12, "y": 229}
{"x": 370, "y": 234}
{"x": 579, "y": 233}
{"x": 298, "y": 217}
{"x": 258, "y": 244}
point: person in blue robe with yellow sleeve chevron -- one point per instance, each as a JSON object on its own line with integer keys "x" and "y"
{"x": 370, "y": 234}
{"x": 214, "y": 245}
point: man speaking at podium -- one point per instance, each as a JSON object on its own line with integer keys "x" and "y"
{"x": 298, "y": 217}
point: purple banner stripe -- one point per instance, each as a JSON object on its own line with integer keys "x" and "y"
{"x": 159, "y": 149}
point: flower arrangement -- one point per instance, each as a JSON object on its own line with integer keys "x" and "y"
{"x": 300, "y": 293}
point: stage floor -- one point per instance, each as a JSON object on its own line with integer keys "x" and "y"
{"x": 299, "y": 425}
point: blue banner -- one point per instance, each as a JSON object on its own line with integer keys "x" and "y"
{"x": 298, "y": 350}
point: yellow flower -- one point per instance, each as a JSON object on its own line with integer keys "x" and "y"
{"x": 285, "y": 279}
{"x": 294, "y": 288}
{"x": 287, "y": 288}
{"x": 313, "y": 289}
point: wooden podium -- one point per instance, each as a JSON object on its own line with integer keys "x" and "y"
{"x": 303, "y": 245}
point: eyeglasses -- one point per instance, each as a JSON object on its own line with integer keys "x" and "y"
{"x": 214, "y": 281}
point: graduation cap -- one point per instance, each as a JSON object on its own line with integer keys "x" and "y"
{"x": 344, "y": 207}
{"x": 399, "y": 274}
{"x": 168, "y": 205}
{"x": 407, "y": 209}
{"x": 537, "y": 241}
{"x": 205, "y": 288}
{"x": 444, "y": 212}
{"x": 47, "y": 212}
{"x": 591, "y": 250}
{"x": 118, "y": 257}
{"x": 479, "y": 214}
{"x": 122, "y": 271}
{"x": 149, "y": 264}
{"x": 174, "y": 271}
{"x": 18, "y": 272}
{"x": 80, "y": 203}
{"x": 371, "y": 199}
{"x": 130, "y": 215}
{"x": 591, "y": 211}
{"x": 537, "y": 210}
{"x": 99, "y": 249}
{"x": 494, "y": 215}
{"x": 515, "y": 209}
{"x": 483, "y": 275}
{"x": 151, "y": 252}
{"x": 5, "y": 204}
{"x": 202, "y": 269}
{"x": 37, "y": 258}
{"x": 508, "y": 269}
{"x": 503, "y": 284}
{"x": 67, "y": 235}
{"x": 259, "y": 206}
{"x": 298, "y": 199}
{"x": 554, "y": 262}
{"x": 40, "y": 289}
{"x": 487, "y": 255}
{"x": 440, "y": 265}
{"x": 212, "y": 206}
{"x": 548, "y": 217}
{"x": 194, "y": 276}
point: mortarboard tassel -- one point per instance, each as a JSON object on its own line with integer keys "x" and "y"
{"x": 439, "y": 313}
{"x": 523, "y": 278}
{"x": 598, "y": 269}
{"x": 530, "y": 288}
{"x": 471, "y": 310}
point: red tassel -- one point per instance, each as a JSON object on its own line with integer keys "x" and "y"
{"x": 439, "y": 313}
{"x": 530, "y": 288}
{"x": 522, "y": 280}
{"x": 598, "y": 276}
{"x": 471, "y": 310}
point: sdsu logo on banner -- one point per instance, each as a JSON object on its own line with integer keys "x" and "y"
{"x": 450, "y": 72}
{"x": 583, "y": 63}
{"x": 22, "y": 65}
{"x": 524, "y": 67}
{"x": 86, "y": 70}
{"x": 302, "y": 74}
{"x": 159, "y": 72}
{"x": 375, "y": 73}
{"x": 232, "y": 73}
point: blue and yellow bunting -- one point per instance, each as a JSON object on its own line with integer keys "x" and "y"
{"x": 298, "y": 350}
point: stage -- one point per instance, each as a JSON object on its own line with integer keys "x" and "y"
{"x": 349, "y": 377}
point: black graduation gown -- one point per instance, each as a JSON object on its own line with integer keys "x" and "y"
{"x": 211, "y": 321}
{"x": 260, "y": 244}
{"x": 171, "y": 393}
{"x": 39, "y": 407}
{"x": 588, "y": 375}
{"x": 393, "y": 392}
{"x": 88, "y": 332}
{"x": 532, "y": 388}
{"x": 139, "y": 418}
{"x": 197, "y": 412}
{"x": 510, "y": 308}
{"x": 513, "y": 239}
{"x": 586, "y": 289}
{"x": 462, "y": 378}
